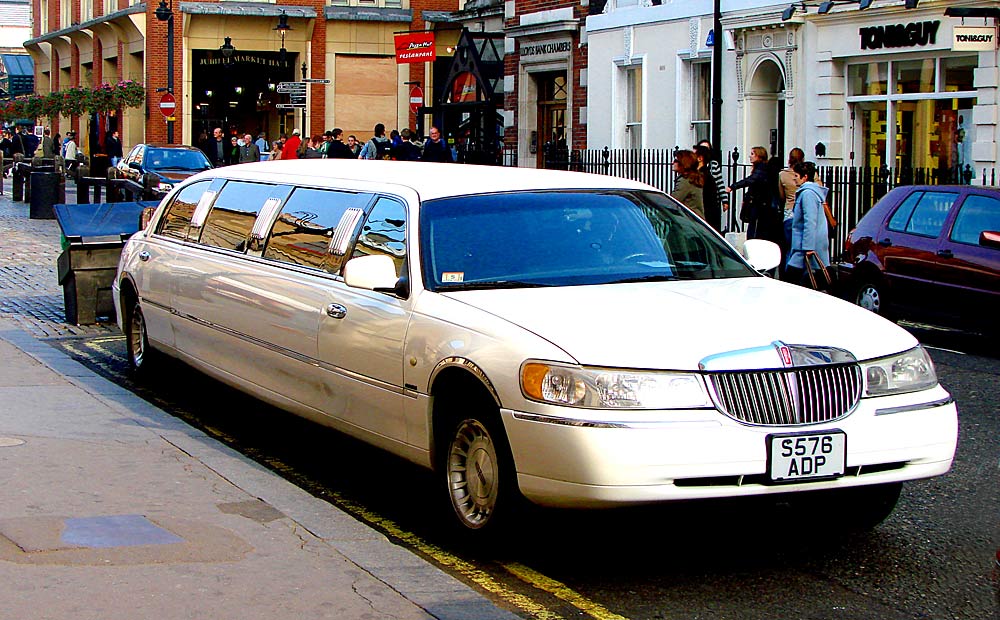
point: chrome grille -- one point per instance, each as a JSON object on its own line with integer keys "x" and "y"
{"x": 805, "y": 395}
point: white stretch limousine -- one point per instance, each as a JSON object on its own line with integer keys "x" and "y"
{"x": 573, "y": 339}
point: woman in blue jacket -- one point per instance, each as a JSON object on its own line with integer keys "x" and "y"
{"x": 809, "y": 229}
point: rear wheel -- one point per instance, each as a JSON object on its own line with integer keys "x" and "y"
{"x": 140, "y": 355}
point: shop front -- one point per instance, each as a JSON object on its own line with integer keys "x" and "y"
{"x": 912, "y": 97}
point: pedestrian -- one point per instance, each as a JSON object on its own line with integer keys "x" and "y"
{"x": 234, "y": 150}
{"x": 290, "y": 150}
{"x": 337, "y": 149}
{"x": 715, "y": 171}
{"x": 809, "y": 227}
{"x": 354, "y": 145}
{"x": 786, "y": 194}
{"x": 379, "y": 146}
{"x": 48, "y": 146}
{"x": 312, "y": 148}
{"x": 216, "y": 148}
{"x": 249, "y": 151}
{"x": 407, "y": 150}
{"x": 276, "y": 151}
{"x": 6, "y": 146}
{"x": 72, "y": 153}
{"x": 324, "y": 147}
{"x": 435, "y": 149}
{"x": 689, "y": 182}
{"x": 113, "y": 147}
{"x": 711, "y": 191}
{"x": 758, "y": 194}
{"x": 261, "y": 142}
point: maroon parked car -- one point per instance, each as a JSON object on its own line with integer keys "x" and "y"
{"x": 928, "y": 253}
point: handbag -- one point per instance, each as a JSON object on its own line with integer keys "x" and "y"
{"x": 831, "y": 222}
{"x": 748, "y": 209}
{"x": 828, "y": 281}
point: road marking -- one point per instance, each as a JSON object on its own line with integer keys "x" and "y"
{"x": 561, "y": 591}
{"x": 481, "y": 578}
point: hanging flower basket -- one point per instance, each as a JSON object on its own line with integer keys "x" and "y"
{"x": 76, "y": 101}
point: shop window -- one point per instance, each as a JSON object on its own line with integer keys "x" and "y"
{"x": 868, "y": 79}
{"x": 957, "y": 73}
{"x": 701, "y": 100}
{"x": 914, "y": 76}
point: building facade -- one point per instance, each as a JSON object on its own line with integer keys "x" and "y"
{"x": 898, "y": 84}
{"x": 230, "y": 59}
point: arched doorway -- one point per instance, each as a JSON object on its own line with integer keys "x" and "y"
{"x": 765, "y": 107}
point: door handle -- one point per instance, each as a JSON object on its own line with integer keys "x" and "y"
{"x": 336, "y": 311}
{"x": 945, "y": 254}
{"x": 885, "y": 242}
{"x": 144, "y": 256}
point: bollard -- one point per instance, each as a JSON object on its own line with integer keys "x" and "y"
{"x": 44, "y": 194}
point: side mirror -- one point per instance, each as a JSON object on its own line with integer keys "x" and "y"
{"x": 762, "y": 255}
{"x": 990, "y": 239}
{"x": 374, "y": 273}
{"x": 134, "y": 165}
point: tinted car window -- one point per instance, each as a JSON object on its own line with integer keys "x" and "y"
{"x": 176, "y": 220}
{"x": 229, "y": 223}
{"x": 384, "y": 232}
{"x": 308, "y": 221}
{"x": 978, "y": 213}
{"x": 176, "y": 159}
{"x": 902, "y": 215}
{"x": 927, "y": 216}
{"x": 568, "y": 238}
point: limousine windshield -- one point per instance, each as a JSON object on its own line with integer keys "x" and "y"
{"x": 565, "y": 238}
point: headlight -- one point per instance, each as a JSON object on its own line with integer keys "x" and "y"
{"x": 906, "y": 372}
{"x": 576, "y": 386}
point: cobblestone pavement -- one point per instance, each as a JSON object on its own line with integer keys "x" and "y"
{"x": 30, "y": 294}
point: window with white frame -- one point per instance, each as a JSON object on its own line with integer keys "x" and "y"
{"x": 701, "y": 100}
{"x": 633, "y": 106}
{"x": 65, "y": 14}
{"x": 110, "y": 6}
{"x": 86, "y": 10}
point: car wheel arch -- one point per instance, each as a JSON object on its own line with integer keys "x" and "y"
{"x": 455, "y": 380}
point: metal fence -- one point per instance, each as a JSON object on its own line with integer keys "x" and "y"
{"x": 853, "y": 189}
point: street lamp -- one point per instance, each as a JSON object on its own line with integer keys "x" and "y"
{"x": 164, "y": 13}
{"x": 227, "y": 50}
{"x": 282, "y": 28}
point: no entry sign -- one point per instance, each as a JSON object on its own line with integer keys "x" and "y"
{"x": 167, "y": 105}
{"x": 416, "y": 99}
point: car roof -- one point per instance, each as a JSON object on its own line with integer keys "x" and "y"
{"x": 929, "y": 188}
{"x": 429, "y": 180}
{"x": 157, "y": 145}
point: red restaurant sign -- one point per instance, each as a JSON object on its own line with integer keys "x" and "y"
{"x": 415, "y": 47}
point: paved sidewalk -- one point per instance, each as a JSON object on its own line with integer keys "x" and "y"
{"x": 114, "y": 509}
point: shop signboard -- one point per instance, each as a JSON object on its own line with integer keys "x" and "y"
{"x": 414, "y": 47}
{"x": 974, "y": 38}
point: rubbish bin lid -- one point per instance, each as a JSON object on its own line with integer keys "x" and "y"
{"x": 100, "y": 220}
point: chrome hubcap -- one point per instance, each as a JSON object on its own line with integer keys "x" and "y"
{"x": 473, "y": 473}
{"x": 869, "y": 299}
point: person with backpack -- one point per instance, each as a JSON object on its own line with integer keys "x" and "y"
{"x": 379, "y": 147}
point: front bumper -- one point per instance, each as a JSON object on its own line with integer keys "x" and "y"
{"x": 661, "y": 456}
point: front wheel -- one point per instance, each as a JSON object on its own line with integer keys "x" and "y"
{"x": 870, "y": 295}
{"x": 479, "y": 475}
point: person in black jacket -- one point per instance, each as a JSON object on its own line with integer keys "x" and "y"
{"x": 758, "y": 196}
{"x": 435, "y": 148}
{"x": 113, "y": 146}
{"x": 337, "y": 149}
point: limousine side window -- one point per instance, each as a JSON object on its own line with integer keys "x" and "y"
{"x": 308, "y": 222}
{"x": 229, "y": 222}
{"x": 177, "y": 218}
{"x": 384, "y": 232}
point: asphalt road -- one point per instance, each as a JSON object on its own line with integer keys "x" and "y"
{"x": 932, "y": 559}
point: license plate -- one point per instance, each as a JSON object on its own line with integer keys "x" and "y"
{"x": 806, "y": 456}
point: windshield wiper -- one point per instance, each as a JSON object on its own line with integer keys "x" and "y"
{"x": 477, "y": 286}
{"x": 652, "y": 278}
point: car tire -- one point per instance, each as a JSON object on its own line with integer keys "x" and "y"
{"x": 479, "y": 475}
{"x": 149, "y": 181}
{"x": 141, "y": 356}
{"x": 870, "y": 295}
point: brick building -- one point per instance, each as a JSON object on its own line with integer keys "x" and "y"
{"x": 545, "y": 78}
{"x": 229, "y": 58}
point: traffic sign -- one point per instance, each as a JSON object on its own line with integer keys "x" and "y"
{"x": 416, "y": 99}
{"x": 167, "y": 105}
{"x": 316, "y": 81}
{"x": 290, "y": 106}
{"x": 291, "y": 87}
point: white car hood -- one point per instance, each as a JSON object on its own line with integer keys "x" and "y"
{"x": 677, "y": 325}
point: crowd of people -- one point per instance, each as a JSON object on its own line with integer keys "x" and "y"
{"x": 785, "y": 205}
{"x": 404, "y": 145}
